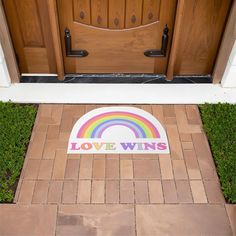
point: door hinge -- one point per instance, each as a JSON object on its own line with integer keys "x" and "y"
{"x": 69, "y": 51}
{"x": 162, "y": 52}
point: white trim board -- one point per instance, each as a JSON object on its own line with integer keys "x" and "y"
{"x": 118, "y": 93}
{"x": 229, "y": 77}
{"x": 5, "y": 80}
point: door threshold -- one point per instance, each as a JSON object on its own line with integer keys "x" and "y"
{"x": 116, "y": 79}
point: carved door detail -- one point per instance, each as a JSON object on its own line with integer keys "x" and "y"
{"x": 116, "y": 34}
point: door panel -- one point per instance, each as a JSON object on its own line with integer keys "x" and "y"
{"x": 30, "y": 30}
{"x": 203, "y": 26}
{"x": 151, "y": 11}
{"x": 82, "y": 16}
{"x": 111, "y": 56}
{"x": 116, "y": 14}
{"x": 116, "y": 34}
{"x": 133, "y": 16}
{"x": 99, "y": 9}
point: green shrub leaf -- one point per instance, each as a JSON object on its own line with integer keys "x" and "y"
{"x": 16, "y": 122}
{"x": 219, "y": 121}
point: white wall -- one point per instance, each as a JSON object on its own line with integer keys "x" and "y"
{"x": 229, "y": 77}
{"x": 5, "y": 80}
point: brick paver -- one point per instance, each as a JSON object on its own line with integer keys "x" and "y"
{"x": 99, "y": 169}
{"x": 72, "y": 169}
{"x": 169, "y": 190}
{"x": 198, "y": 191}
{"x": 126, "y": 191}
{"x": 86, "y": 163}
{"x": 141, "y": 191}
{"x": 36, "y": 147}
{"x": 112, "y": 169}
{"x": 179, "y": 169}
{"x": 155, "y": 191}
{"x": 45, "y": 169}
{"x": 55, "y": 192}
{"x": 69, "y": 192}
{"x": 98, "y": 188}
{"x": 185, "y": 176}
{"x": 146, "y": 169}
{"x": 112, "y": 191}
{"x": 126, "y": 169}
{"x": 174, "y": 142}
{"x": 166, "y": 167}
{"x": 84, "y": 191}
{"x": 53, "y": 132}
{"x": 213, "y": 192}
{"x": 59, "y": 165}
{"x": 192, "y": 164}
{"x": 40, "y": 191}
{"x": 183, "y": 191}
{"x": 32, "y": 168}
{"x": 26, "y": 192}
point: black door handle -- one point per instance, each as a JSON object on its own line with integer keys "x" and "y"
{"x": 164, "y": 45}
{"x": 69, "y": 51}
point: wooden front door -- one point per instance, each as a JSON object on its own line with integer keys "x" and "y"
{"x": 115, "y": 34}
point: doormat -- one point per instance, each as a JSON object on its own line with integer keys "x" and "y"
{"x": 123, "y": 130}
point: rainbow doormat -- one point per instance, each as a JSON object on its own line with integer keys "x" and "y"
{"x": 118, "y": 130}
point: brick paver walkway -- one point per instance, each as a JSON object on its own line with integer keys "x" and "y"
{"x": 176, "y": 194}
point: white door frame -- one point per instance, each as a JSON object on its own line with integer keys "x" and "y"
{"x": 5, "y": 80}
{"x": 225, "y": 67}
{"x": 9, "y": 72}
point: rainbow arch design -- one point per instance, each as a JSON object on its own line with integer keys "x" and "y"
{"x": 118, "y": 130}
{"x": 139, "y": 125}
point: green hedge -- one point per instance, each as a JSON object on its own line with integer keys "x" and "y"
{"x": 16, "y": 123}
{"x": 219, "y": 122}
